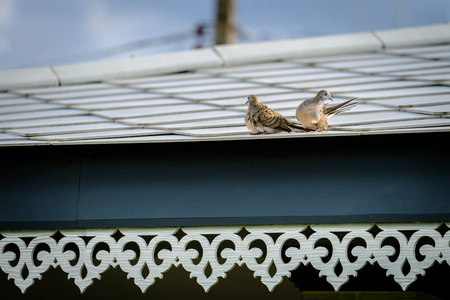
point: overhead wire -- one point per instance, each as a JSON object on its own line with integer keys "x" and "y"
{"x": 199, "y": 36}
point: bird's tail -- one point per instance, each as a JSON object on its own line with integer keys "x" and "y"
{"x": 337, "y": 109}
{"x": 295, "y": 126}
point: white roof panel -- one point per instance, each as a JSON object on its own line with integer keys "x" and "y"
{"x": 9, "y": 137}
{"x": 205, "y": 123}
{"x": 165, "y": 138}
{"x": 344, "y": 57}
{"x": 416, "y": 91}
{"x": 64, "y": 129}
{"x": 399, "y": 125}
{"x": 84, "y": 93}
{"x": 437, "y": 55}
{"x": 182, "y": 117}
{"x": 403, "y": 67}
{"x": 130, "y": 104}
{"x": 28, "y": 108}
{"x": 63, "y": 89}
{"x": 432, "y": 77}
{"x": 22, "y": 142}
{"x": 374, "y": 117}
{"x": 351, "y": 63}
{"x": 57, "y": 121}
{"x": 265, "y": 99}
{"x": 109, "y": 98}
{"x": 416, "y": 72}
{"x": 100, "y": 134}
{"x": 408, "y": 130}
{"x": 152, "y": 111}
{"x": 182, "y": 83}
{"x": 234, "y": 93}
{"x": 324, "y": 75}
{"x": 338, "y": 82}
{"x": 7, "y": 95}
{"x": 443, "y": 109}
{"x": 262, "y": 67}
{"x": 41, "y": 114}
{"x": 299, "y": 70}
{"x": 413, "y": 101}
{"x": 379, "y": 86}
{"x": 419, "y": 50}
{"x": 18, "y": 101}
{"x": 161, "y": 79}
{"x": 209, "y": 87}
{"x": 200, "y": 95}
{"x": 212, "y": 132}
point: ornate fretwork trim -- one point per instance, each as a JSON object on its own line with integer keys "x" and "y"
{"x": 207, "y": 253}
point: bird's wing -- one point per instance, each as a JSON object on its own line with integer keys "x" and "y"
{"x": 305, "y": 103}
{"x": 339, "y": 108}
{"x": 272, "y": 119}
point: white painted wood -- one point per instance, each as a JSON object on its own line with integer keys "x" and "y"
{"x": 168, "y": 248}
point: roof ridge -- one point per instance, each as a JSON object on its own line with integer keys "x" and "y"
{"x": 224, "y": 55}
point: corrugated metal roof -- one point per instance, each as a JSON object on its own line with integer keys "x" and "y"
{"x": 400, "y": 77}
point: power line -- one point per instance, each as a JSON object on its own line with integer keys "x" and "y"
{"x": 122, "y": 48}
{"x": 199, "y": 36}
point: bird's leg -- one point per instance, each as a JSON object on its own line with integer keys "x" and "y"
{"x": 318, "y": 130}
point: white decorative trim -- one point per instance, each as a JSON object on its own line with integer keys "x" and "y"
{"x": 208, "y": 253}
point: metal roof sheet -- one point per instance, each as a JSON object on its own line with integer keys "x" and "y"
{"x": 400, "y": 77}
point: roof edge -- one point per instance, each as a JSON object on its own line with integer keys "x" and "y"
{"x": 224, "y": 55}
{"x": 19, "y": 78}
{"x": 415, "y": 36}
{"x": 138, "y": 66}
{"x": 298, "y": 48}
{"x": 107, "y": 69}
{"x": 334, "y": 44}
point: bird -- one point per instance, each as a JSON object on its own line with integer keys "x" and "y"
{"x": 313, "y": 113}
{"x": 261, "y": 119}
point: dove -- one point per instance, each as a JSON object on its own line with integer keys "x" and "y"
{"x": 261, "y": 119}
{"x": 313, "y": 113}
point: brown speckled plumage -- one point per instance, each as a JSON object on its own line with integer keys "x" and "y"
{"x": 261, "y": 119}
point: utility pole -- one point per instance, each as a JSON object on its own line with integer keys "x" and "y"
{"x": 225, "y": 28}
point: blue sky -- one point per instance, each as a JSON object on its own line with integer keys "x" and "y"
{"x": 52, "y": 32}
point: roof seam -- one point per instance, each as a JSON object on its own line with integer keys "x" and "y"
{"x": 53, "y": 71}
{"x": 383, "y": 45}
{"x": 220, "y": 56}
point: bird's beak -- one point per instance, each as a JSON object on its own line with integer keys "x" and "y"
{"x": 246, "y": 102}
{"x": 331, "y": 99}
